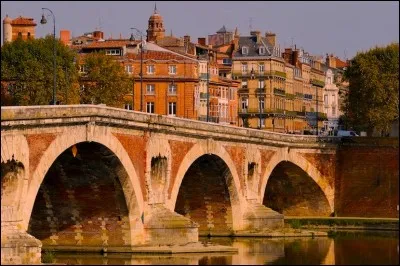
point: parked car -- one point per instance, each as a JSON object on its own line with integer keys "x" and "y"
{"x": 347, "y": 133}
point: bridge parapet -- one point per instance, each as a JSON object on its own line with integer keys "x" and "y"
{"x": 66, "y": 114}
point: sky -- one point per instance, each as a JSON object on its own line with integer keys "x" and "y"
{"x": 341, "y": 28}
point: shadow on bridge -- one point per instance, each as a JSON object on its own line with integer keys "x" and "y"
{"x": 292, "y": 192}
{"x": 81, "y": 202}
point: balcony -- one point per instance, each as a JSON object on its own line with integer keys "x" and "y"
{"x": 203, "y": 76}
{"x": 317, "y": 83}
{"x": 259, "y": 74}
{"x": 290, "y": 96}
{"x": 278, "y": 91}
{"x": 203, "y": 95}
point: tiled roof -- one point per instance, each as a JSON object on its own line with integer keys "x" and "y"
{"x": 108, "y": 44}
{"x": 251, "y": 43}
{"x": 23, "y": 21}
{"x": 340, "y": 63}
{"x": 156, "y": 55}
{"x": 170, "y": 41}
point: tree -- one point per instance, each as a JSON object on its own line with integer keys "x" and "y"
{"x": 27, "y": 73}
{"x": 373, "y": 98}
{"x": 105, "y": 80}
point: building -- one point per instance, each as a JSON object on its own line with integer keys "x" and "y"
{"x": 223, "y": 36}
{"x": 20, "y": 27}
{"x": 258, "y": 64}
{"x": 331, "y": 102}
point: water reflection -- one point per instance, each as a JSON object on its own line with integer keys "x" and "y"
{"x": 344, "y": 248}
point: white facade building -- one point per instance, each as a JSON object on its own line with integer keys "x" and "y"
{"x": 331, "y": 103}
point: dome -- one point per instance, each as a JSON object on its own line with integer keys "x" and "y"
{"x": 7, "y": 20}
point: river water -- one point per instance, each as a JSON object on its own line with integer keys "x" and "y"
{"x": 343, "y": 248}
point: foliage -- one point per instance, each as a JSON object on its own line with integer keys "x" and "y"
{"x": 373, "y": 99}
{"x": 48, "y": 257}
{"x": 27, "y": 72}
{"x": 105, "y": 81}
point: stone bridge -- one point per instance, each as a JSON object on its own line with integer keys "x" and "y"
{"x": 91, "y": 177}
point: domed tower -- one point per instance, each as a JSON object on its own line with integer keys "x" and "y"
{"x": 155, "y": 29}
{"x": 7, "y": 29}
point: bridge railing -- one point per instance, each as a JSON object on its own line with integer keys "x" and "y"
{"x": 63, "y": 114}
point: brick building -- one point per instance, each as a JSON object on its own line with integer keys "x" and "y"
{"x": 20, "y": 27}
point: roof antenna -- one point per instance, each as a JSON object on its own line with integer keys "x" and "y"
{"x": 250, "y": 23}
{"x": 155, "y": 7}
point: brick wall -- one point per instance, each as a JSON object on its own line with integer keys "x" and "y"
{"x": 367, "y": 181}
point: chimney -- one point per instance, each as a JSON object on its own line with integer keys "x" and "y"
{"x": 271, "y": 38}
{"x": 98, "y": 34}
{"x": 65, "y": 36}
{"x": 256, "y": 33}
{"x": 201, "y": 41}
{"x": 331, "y": 61}
{"x": 186, "y": 39}
{"x": 295, "y": 57}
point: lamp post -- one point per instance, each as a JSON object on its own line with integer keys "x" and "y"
{"x": 132, "y": 38}
{"x": 316, "y": 108}
{"x": 44, "y": 21}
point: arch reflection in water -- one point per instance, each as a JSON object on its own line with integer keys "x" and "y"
{"x": 344, "y": 249}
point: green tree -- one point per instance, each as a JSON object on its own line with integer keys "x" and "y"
{"x": 105, "y": 80}
{"x": 27, "y": 73}
{"x": 373, "y": 98}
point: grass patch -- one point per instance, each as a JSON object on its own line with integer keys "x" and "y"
{"x": 295, "y": 224}
{"x": 48, "y": 257}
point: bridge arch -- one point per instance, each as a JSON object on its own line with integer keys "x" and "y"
{"x": 286, "y": 155}
{"x": 210, "y": 147}
{"x": 102, "y": 135}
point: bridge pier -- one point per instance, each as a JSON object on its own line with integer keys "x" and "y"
{"x": 17, "y": 246}
{"x": 165, "y": 227}
{"x": 258, "y": 217}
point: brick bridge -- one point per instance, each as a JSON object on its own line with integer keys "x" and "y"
{"x": 91, "y": 177}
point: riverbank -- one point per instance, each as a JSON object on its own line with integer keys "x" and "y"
{"x": 342, "y": 223}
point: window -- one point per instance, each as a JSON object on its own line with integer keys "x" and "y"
{"x": 113, "y": 52}
{"x": 82, "y": 69}
{"x": 29, "y": 35}
{"x": 244, "y": 104}
{"x": 128, "y": 69}
{"x": 19, "y": 34}
{"x": 172, "y": 69}
{"x": 244, "y": 84}
{"x": 150, "y": 89}
{"x": 326, "y": 99}
{"x": 227, "y": 61}
{"x": 329, "y": 80}
{"x": 261, "y": 50}
{"x": 150, "y": 107}
{"x": 244, "y": 68}
{"x": 172, "y": 89}
{"x": 261, "y": 68}
{"x": 261, "y": 104}
{"x": 128, "y": 106}
{"x": 172, "y": 109}
{"x": 150, "y": 69}
{"x": 245, "y": 50}
{"x": 261, "y": 83}
{"x": 262, "y": 122}
{"x": 333, "y": 99}
{"x": 333, "y": 110}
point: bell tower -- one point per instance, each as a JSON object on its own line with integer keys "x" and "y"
{"x": 155, "y": 30}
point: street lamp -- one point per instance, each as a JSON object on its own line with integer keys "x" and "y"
{"x": 44, "y": 21}
{"x": 132, "y": 38}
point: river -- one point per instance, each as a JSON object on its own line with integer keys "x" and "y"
{"x": 343, "y": 248}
